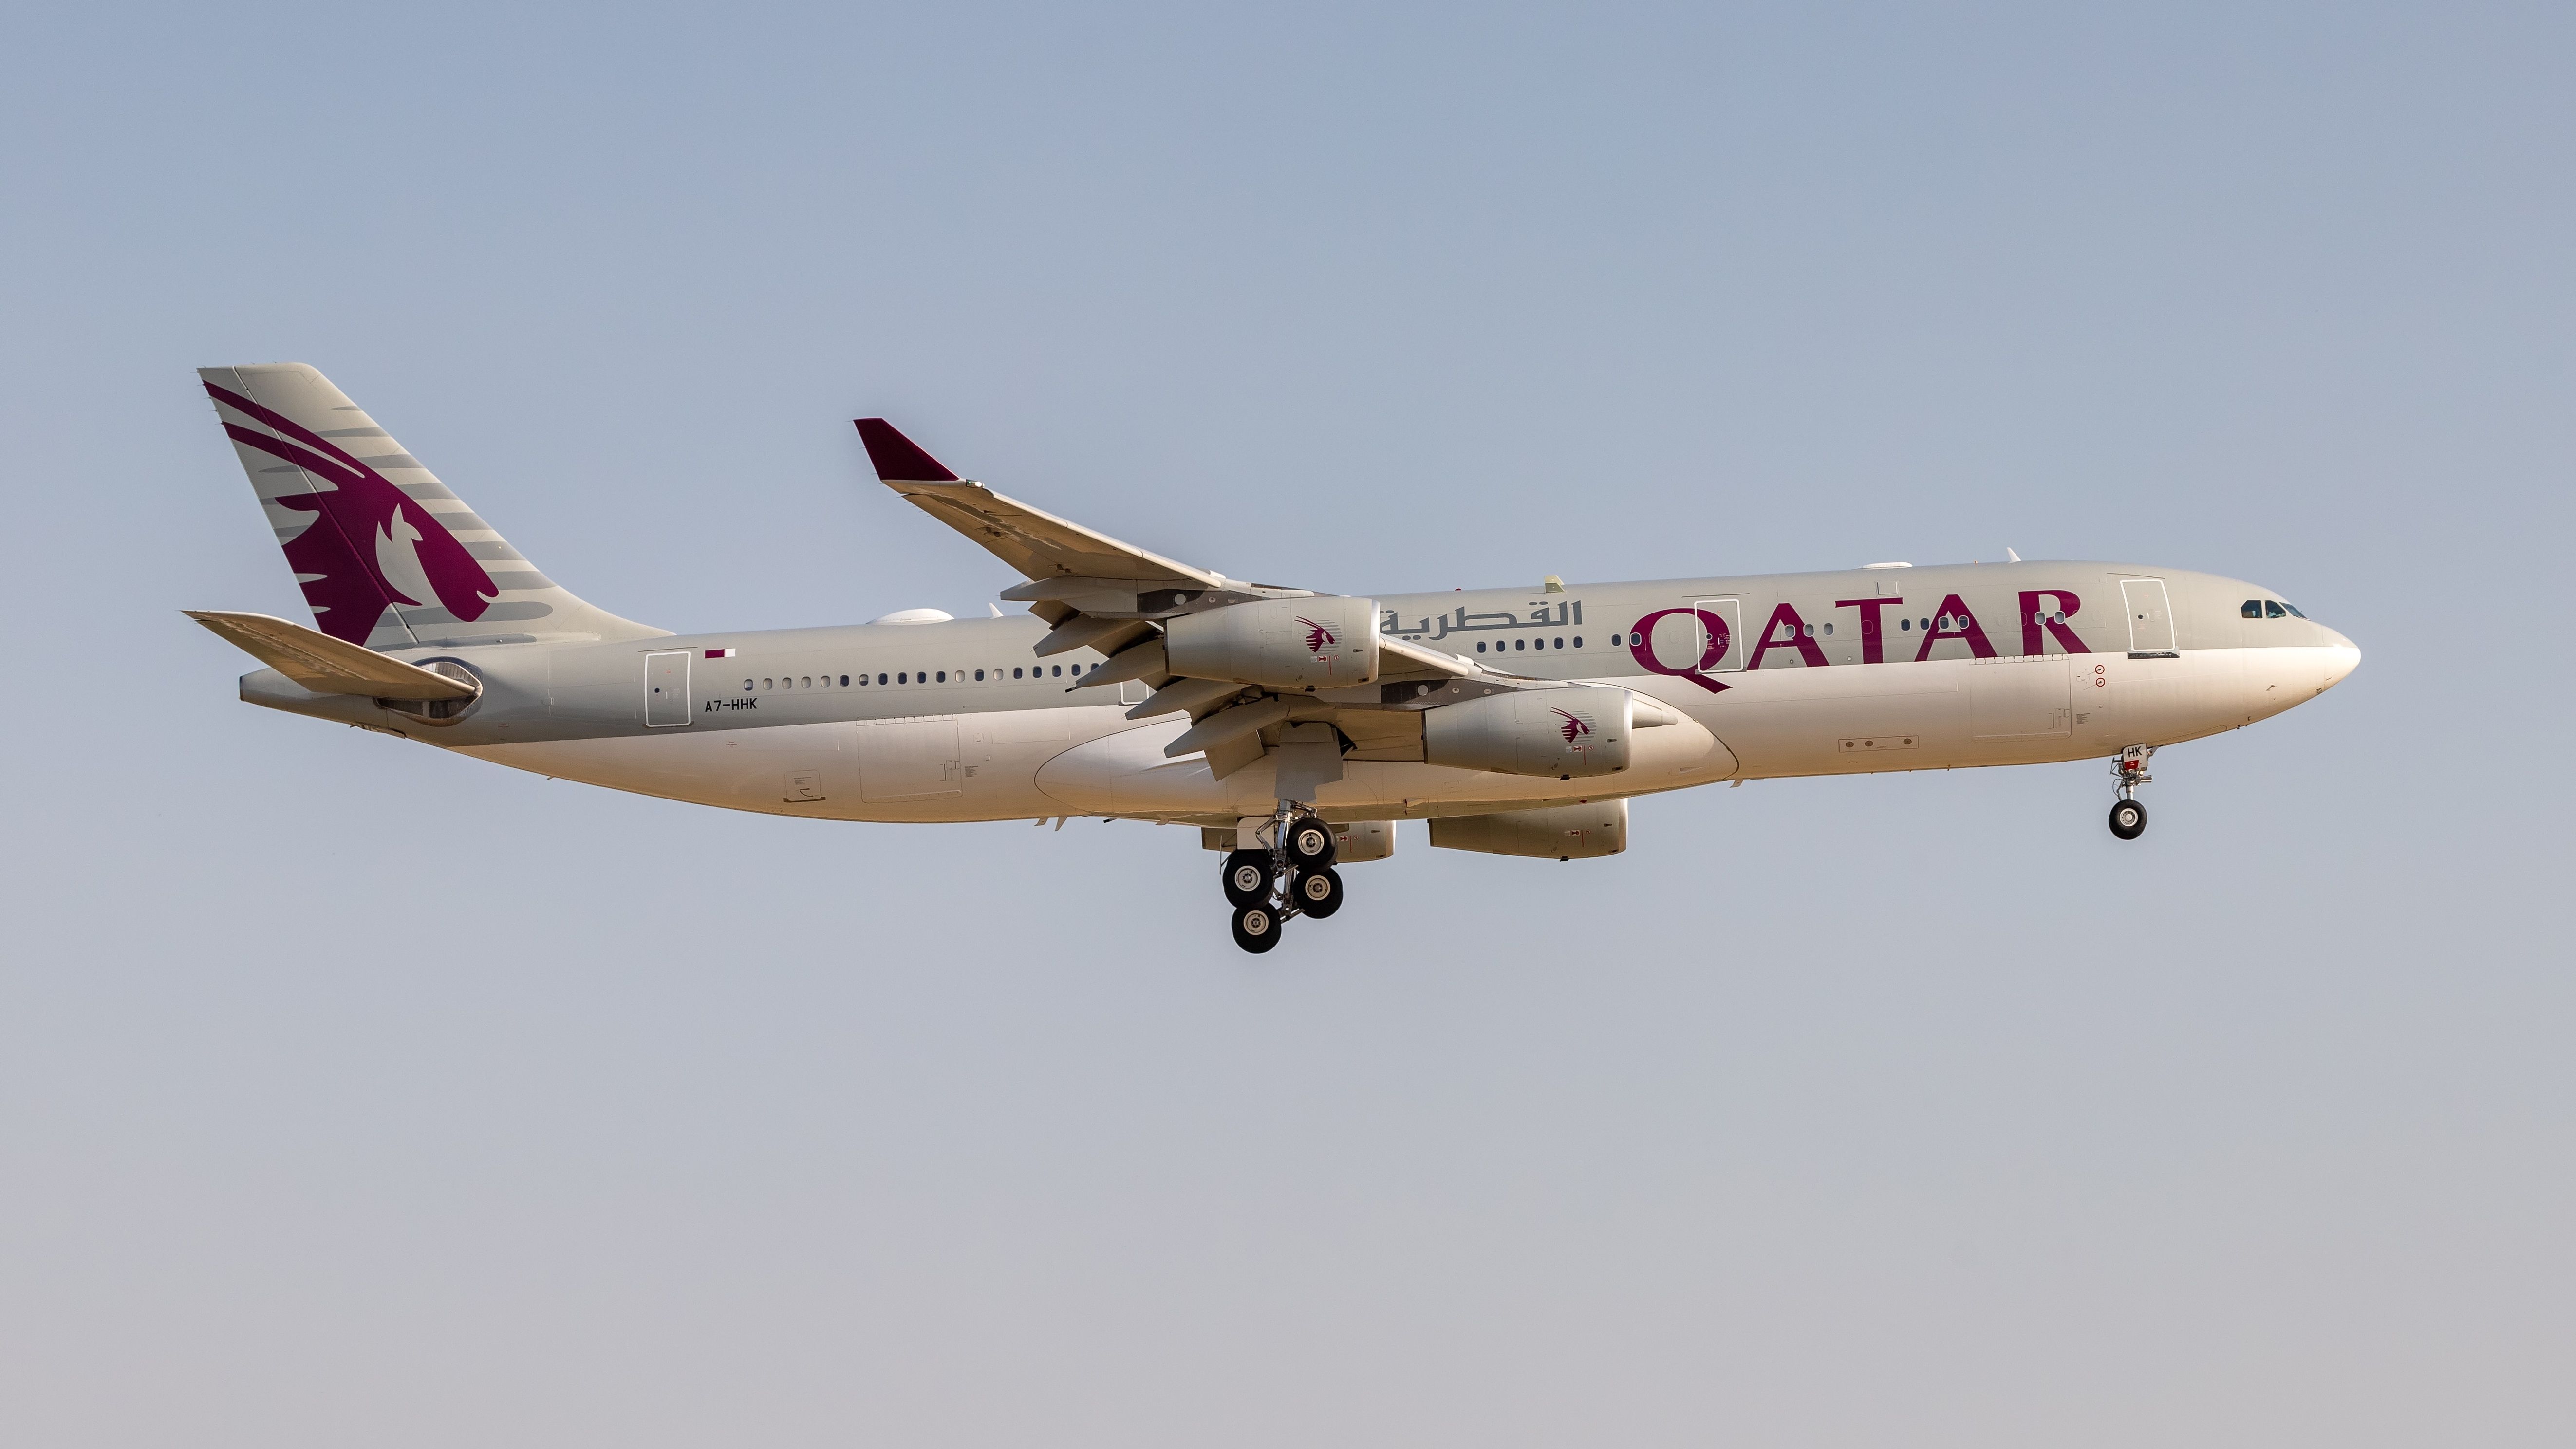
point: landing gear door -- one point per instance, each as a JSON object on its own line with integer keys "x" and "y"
{"x": 1718, "y": 627}
{"x": 2151, "y": 629}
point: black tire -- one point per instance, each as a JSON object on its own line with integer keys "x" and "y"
{"x": 1256, "y": 928}
{"x": 1310, "y": 843}
{"x": 1317, "y": 892}
{"x": 1247, "y": 878}
{"x": 2128, "y": 820}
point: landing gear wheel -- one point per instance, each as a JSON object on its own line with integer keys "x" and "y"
{"x": 1317, "y": 892}
{"x": 1256, "y": 928}
{"x": 1247, "y": 878}
{"x": 2128, "y": 820}
{"x": 1310, "y": 843}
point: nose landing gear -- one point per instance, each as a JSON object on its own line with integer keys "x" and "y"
{"x": 1294, "y": 876}
{"x": 2128, "y": 817}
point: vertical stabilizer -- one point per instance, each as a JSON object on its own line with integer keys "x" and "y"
{"x": 387, "y": 557}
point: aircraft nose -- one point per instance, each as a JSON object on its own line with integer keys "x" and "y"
{"x": 2342, "y": 658}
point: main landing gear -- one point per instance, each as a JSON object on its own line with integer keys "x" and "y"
{"x": 1293, "y": 877}
{"x": 2128, "y": 817}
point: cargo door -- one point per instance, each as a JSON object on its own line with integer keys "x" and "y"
{"x": 909, "y": 759}
{"x": 2024, "y": 698}
{"x": 2151, "y": 629}
{"x": 666, "y": 689}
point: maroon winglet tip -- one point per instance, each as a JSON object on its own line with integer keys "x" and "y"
{"x": 897, "y": 457}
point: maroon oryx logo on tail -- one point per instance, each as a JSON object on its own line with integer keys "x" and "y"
{"x": 370, "y": 545}
{"x": 1317, "y": 636}
{"x": 1574, "y": 729}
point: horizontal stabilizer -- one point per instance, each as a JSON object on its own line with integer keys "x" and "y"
{"x": 326, "y": 665}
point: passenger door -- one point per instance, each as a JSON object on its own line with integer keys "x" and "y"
{"x": 2151, "y": 629}
{"x": 666, "y": 689}
{"x": 1731, "y": 611}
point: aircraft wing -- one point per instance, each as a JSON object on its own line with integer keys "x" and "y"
{"x": 1038, "y": 544}
{"x": 1102, "y": 594}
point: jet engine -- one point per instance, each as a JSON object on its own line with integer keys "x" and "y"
{"x": 1564, "y": 832}
{"x": 1569, "y": 733}
{"x": 1312, "y": 643}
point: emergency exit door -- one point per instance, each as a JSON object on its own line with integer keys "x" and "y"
{"x": 666, "y": 689}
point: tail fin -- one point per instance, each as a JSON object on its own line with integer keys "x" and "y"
{"x": 389, "y": 559}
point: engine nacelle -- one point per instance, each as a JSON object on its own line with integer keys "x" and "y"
{"x": 1317, "y": 643}
{"x": 1569, "y": 733}
{"x": 1563, "y": 832}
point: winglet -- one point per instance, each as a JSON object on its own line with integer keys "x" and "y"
{"x": 898, "y": 458}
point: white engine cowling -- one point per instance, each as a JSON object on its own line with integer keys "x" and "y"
{"x": 1563, "y": 832}
{"x": 1569, "y": 733}
{"x": 1314, "y": 643}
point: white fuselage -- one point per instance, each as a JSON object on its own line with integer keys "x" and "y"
{"x": 1771, "y": 676}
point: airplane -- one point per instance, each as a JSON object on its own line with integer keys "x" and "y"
{"x": 1292, "y": 727}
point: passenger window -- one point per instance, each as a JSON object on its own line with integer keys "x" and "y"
{"x": 979, "y": 675}
{"x": 880, "y": 679}
{"x": 768, "y": 684}
{"x": 1560, "y": 643}
{"x": 1480, "y": 646}
{"x": 2274, "y": 609}
{"x": 2253, "y": 609}
{"x": 1829, "y": 628}
{"x": 1578, "y": 641}
{"x": 903, "y": 679}
{"x": 809, "y": 681}
{"x": 1059, "y": 670}
{"x": 845, "y": 681}
{"x": 1904, "y": 624}
{"x": 943, "y": 676}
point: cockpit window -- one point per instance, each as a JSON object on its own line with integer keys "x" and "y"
{"x": 2276, "y": 610}
{"x": 2253, "y": 609}
{"x": 2293, "y": 608}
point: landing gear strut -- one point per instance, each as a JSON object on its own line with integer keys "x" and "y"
{"x": 1293, "y": 876}
{"x": 2128, "y": 817}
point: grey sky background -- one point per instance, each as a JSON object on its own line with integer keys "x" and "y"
{"x": 355, "y": 1094}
